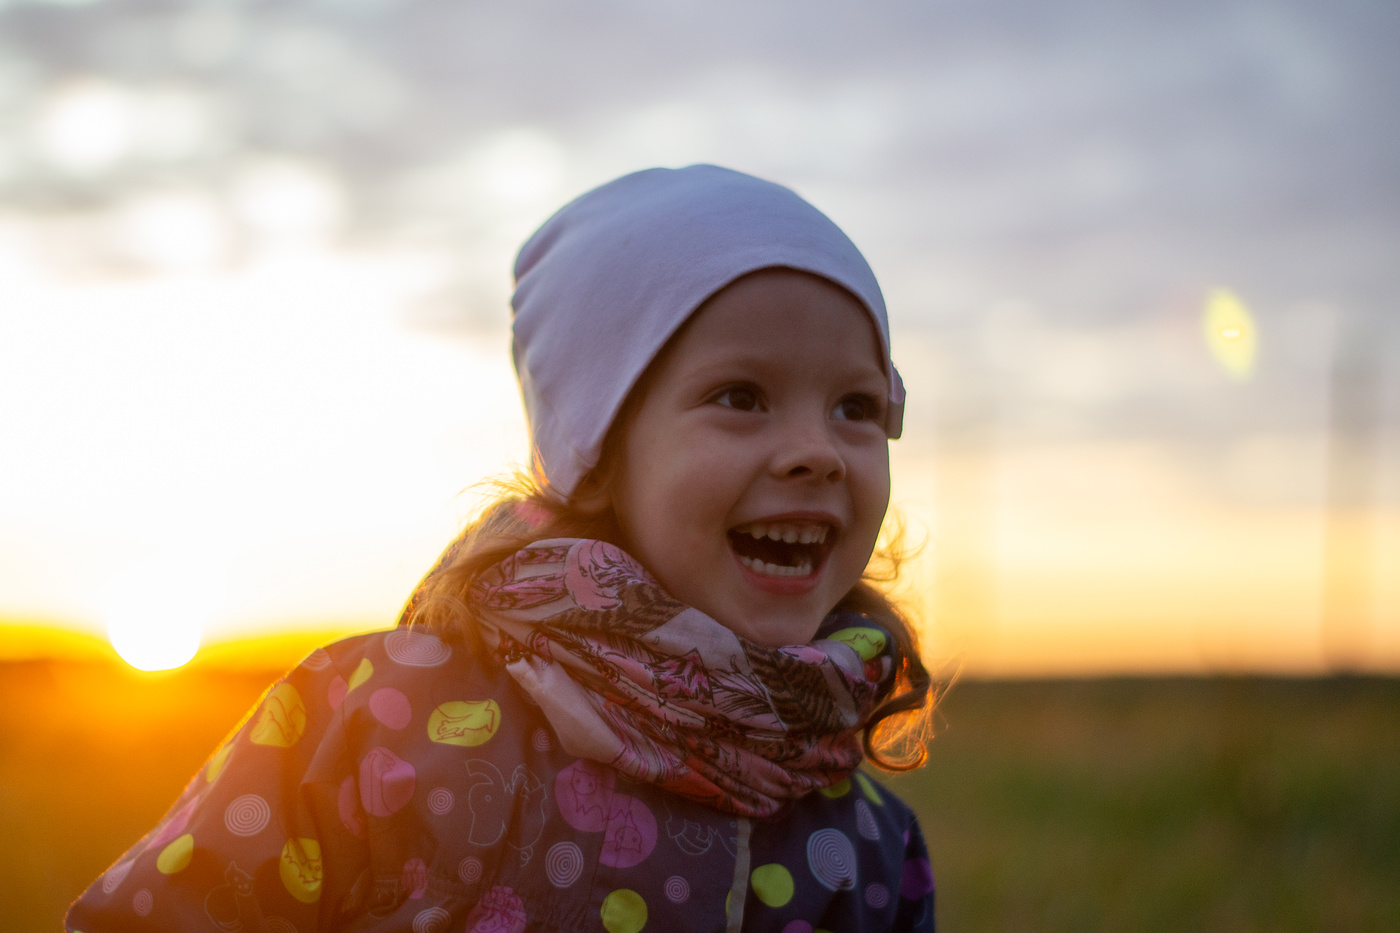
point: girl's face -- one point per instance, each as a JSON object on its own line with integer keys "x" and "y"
{"x": 754, "y": 473}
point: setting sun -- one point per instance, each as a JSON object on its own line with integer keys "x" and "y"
{"x": 153, "y": 642}
{"x": 156, "y": 612}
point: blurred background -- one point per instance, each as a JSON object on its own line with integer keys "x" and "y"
{"x": 1141, "y": 265}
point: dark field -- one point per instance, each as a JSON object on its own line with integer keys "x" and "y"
{"x": 1201, "y": 805}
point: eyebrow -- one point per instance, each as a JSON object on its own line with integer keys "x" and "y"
{"x": 746, "y": 363}
{"x": 746, "y": 357}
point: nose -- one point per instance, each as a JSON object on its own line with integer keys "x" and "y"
{"x": 808, "y": 451}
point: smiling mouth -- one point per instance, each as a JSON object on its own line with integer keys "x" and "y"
{"x": 781, "y": 549}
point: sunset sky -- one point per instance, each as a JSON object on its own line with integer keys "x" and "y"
{"x": 1140, "y": 263}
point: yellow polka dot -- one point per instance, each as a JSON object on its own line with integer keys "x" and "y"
{"x": 624, "y": 911}
{"x": 282, "y": 719}
{"x": 216, "y": 763}
{"x": 867, "y": 787}
{"x": 773, "y": 884}
{"x": 840, "y": 789}
{"x": 464, "y": 722}
{"x": 866, "y": 642}
{"x": 300, "y": 867}
{"x": 362, "y": 673}
{"x": 176, "y": 856}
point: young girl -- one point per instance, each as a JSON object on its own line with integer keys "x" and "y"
{"x": 633, "y": 694}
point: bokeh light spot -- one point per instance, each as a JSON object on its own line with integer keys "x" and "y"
{"x": 1230, "y": 333}
{"x": 86, "y": 125}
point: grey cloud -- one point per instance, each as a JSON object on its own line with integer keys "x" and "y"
{"x": 1100, "y": 164}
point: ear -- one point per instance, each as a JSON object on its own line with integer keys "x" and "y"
{"x": 592, "y": 497}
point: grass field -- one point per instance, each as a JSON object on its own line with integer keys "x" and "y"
{"x": 1202, "y": 805}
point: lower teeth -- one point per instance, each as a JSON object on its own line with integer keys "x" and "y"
{"x": 776, "y": 570}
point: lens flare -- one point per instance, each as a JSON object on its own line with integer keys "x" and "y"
{"x": 1230, "y": 333}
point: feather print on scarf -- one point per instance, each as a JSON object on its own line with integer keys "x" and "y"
{"x": 671, "y": 696}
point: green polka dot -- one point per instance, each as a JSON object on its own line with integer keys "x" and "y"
{"x": 216, "y": 763}
{"x": 281, "y": 719}
{"x": 624, "y": 911}
{"x": 464, "y": 722}
{"x": 176, "y": 856}
{"x": 840, "y": 789}
{"x": 773, "y": 884}
{"x": 301, "y": 869}
{"x": 362, "y": 673}
{"x": 867, "y": 787}
{"x": 866, "y": 642}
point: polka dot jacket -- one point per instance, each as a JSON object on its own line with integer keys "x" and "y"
{"x": 393, "y": 782}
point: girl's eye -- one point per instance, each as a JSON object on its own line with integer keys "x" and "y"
{"x": 740, "y": 398}
{"x": 856, "y": 408}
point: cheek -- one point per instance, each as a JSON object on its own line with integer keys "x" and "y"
{"x": 871, "y": 483}
{"x": 872, "y": 499}
{"x": 656, "y": 509}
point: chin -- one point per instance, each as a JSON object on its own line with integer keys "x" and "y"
{"x": 776, "y": 631}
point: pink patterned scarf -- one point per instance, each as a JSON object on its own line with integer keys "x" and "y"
{"x": 663, "y": 693}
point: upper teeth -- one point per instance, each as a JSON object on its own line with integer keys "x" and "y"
{"x": 790, "y": 532}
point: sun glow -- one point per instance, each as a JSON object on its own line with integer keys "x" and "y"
{"x": 154, "y": 640}
{"x": 156, "y": 612}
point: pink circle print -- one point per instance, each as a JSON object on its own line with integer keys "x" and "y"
{"x": 499, "y": 911}
{"x": 390, "y": 707}
{"x": 414, "y": 878}
{"x": 348, "y": 805}
{"x": 336, "y": 690}
{"x": 630, "y": 834}
{"x": 588, "y": 802}
{"x": 917, "y": 879}
{"x": 584, "y": 792}
{"x": 386, "y": 782}
{"x": 176, "y": 826}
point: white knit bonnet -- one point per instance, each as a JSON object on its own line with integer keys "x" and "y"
{"x": 607, "y": 280}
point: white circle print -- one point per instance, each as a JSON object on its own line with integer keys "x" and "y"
{"x": 247, "y": 815}
{"x": 563, "y": 864}
{"x": 416, "y": 649}
{"x": 832, "y": 859}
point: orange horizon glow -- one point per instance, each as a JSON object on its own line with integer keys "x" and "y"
{"x": 1168, "y": 588}
{"x": 1068, "y": 561}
